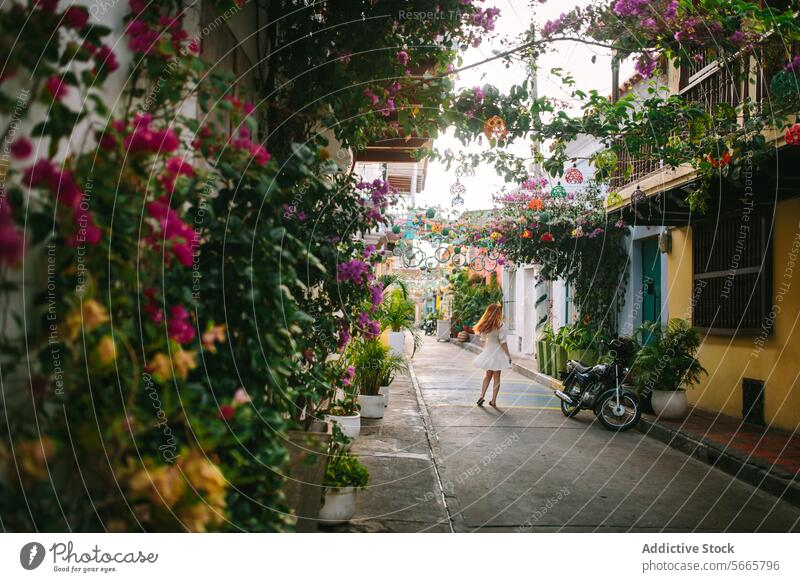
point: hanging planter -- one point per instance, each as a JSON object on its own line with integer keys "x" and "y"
{"x": 558, "y": 191}
{"x": 613, "y": 199}
{"x": 638, "y": 195}
{"x": 526, "y": 233}
{"x": 430, "y": 213}
{"x": 495, "y": 128}
{"x": 396, "y": 229}
{"x": 546, "y": 237}
{"x": 573, "y": 175}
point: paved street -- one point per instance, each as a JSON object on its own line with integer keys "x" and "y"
{"x": 525, "y": 467}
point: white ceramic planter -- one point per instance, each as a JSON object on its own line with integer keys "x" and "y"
{"x": 371, "y": 406}
{"x": 442, "y": 329}
{"x": 397, "y": 340}
{"x": 339, "y": 507}
{"x": 669, "y": 403}
{"x": 384, "y": 391}
{"x": 350, "y": 425}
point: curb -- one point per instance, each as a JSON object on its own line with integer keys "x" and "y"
{"x": 769, "y": 480}
{"x": 764, "y": 478}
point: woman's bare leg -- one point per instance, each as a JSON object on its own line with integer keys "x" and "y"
{"x": 485, "y": 386}
{"x": 496, "y": 388}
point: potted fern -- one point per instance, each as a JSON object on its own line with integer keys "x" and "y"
{"x": 667, "y": 364}
{"x": 344, "y": 476}
{"x": 397, "y": 314}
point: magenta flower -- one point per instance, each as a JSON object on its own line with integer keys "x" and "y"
{"x": 402, "y": 57}
{"x": 21, "y": 148}
{"x": 179, "y": 325}
{"x": 12, "y": 240}
{"x": 76, "y": 17}
{"x": 56, "y": 87}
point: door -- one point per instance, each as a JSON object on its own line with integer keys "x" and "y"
{"x": 651, "y": 282}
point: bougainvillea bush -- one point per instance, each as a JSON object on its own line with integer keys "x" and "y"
{"x": 190, "y": 288}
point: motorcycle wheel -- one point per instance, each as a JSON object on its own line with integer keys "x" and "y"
{"x": 569, "y": 410}
{"x": 630, "y": 415}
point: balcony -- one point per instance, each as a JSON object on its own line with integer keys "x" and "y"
{"x": 709, "y": 82}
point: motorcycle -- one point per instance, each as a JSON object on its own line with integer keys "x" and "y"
{"x": 429, "y": 326}
{"x": 601, "y": 389}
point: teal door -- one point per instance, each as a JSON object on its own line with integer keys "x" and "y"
{"x": 651, "y": 281}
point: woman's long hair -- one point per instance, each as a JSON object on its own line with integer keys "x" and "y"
{"x": 491, "y": 319}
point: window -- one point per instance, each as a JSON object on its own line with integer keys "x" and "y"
{"x": 732, "y": 272}
{"x": 509, "y": 303}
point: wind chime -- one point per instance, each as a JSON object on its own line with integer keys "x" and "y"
{"x": 458, "y": 189}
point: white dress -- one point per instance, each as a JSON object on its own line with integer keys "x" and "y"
{"x": 493, "y": 357}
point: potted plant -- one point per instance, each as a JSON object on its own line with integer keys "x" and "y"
{"x": 442, "y": 325}
{"x": 344, "y": 476}
{"x": 579, "y": 341}
{"x": 392, "y": 365}
{"x": 666, "y": 365}
{"x": 345, "y": 414}
{"x": 543, "y": 348}
{"x": 397, "y": 314}
{"x": 368, "y": 357}
{"x": 558, "y": 355}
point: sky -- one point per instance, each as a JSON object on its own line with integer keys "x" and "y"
{"x": 514, "y": 19}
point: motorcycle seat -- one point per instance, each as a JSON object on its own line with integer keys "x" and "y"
{"x": 580, "y": 368}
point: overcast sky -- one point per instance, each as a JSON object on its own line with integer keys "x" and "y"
{"x": 515, "y": 18}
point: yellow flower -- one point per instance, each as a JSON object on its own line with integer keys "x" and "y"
{"x": 183, "y": 361}
{"x": 160, "y": 367}
{"x": 197, "y": 517}
{"x": 212, "y": 335}
{"x": 106, "y": 350}
{"x": 163, "y": 484}
{"x": 91, "y": 315}
{"x": 202, "y": 473}
{"x": 33, "y": 456}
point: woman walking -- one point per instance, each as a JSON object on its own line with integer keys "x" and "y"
{"x": 495, "y": 356}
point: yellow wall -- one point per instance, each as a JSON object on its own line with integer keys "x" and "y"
{"x": 729, "y": 359}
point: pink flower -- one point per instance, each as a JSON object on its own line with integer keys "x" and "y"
{"x": 180, "y": 326}
{"x": 402, "y": 57}
{"x": 56, "y": 87}
{"x": 76, "y": 17}
{"x": 260, "y": 154}
{"x": 107, "y": 142}
{"x": 183, "y": 239}
{"x": 227, "y": 412}
{"x": 107, "y": 59}
{"x": 248, "y": 108}
{"x": 21, "y": 148}
{"x": 39, "y": 172}
{"x": 87, "y": 231}
{"x": 177, "y": 166}
{"x": 241, "y": 397}
{"x": 151, "y": 307}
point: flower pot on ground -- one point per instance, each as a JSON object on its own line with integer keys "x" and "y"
{"x": 344, "y": 476}
{"x": 667, "y": 363}
{"x": 397, "y": 341}
{"x": 558, "y": 360}
{"x": 442, "y": 329}
{"x": 349, "y": 421}
{"x": 306, "y": 469}
{"x": 397, "y": 314}
{"x": 586, "y": 357}
{"x": 373, "y": 365}
{"x": 671, "y": 404}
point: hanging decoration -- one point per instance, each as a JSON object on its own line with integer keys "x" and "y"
{"x": 558, "y": 191}
{"x": 573, "y": 175}
{"x": 430, "y": 213}
{"x": 614, "y": 199}
{"x": 793, "y": 134}
{"x": 457, "y": 190}
{"x": 495, "y": 128}
{"x": 638, "y": 195}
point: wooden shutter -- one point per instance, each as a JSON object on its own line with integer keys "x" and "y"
{"x": 732, "y": 272}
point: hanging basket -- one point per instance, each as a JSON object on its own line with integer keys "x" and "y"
{"x": 558, "y": 191}
{"x": 495, "y": 128}
{"x": 573, "y": 175}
